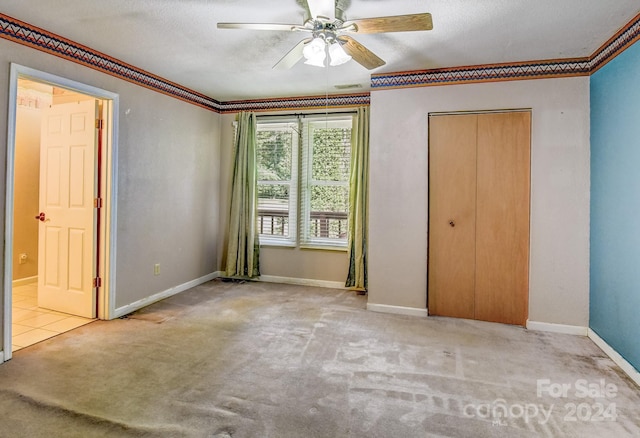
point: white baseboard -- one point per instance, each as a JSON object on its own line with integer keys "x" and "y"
{"x": 398, "y": 310}
{"x": 302, "y": 281}
{"x": 24, "y": 281}
{"x": 124, "y": 310}
{"x": 615, "y": 356}
{"x": 557, "y": 328}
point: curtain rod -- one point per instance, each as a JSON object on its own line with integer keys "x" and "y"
{"x": 305, "y": 114}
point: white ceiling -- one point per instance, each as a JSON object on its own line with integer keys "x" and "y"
{"x": 178, "y": 39}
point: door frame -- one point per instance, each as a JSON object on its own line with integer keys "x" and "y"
{"x": 108, "y": 212}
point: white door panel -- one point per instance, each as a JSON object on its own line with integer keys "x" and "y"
{"x": 67, "y": 234}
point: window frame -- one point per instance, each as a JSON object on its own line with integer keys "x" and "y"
{"x": 292, "y": 238}
{"x": 302, "y": 180}
{"x": 307, "y": 181}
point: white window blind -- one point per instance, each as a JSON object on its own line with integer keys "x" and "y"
{"x": 277, "y": 157}
{"x": 326, "y": 158}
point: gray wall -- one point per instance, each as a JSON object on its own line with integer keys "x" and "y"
{"x": 168, "y": 195}
{"x": 168, "y": 165}
{"x": 398, "y": 214}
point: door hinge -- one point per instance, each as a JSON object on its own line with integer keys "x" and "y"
{"x": 97, "y": 203}
{"x": 97, "y": 282}
{"x": 99, "y": 123}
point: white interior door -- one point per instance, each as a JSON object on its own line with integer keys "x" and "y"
{"x": 67, "y": 214}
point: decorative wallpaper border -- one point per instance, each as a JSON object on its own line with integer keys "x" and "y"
{"x": 616, "y": 44}
{"x": 40, "y": 39}
{"x": 483, "y": 73}
{"x": 34, "y": 37}
{"x": 628, "y": 35}
{"x": 298, "y": 103}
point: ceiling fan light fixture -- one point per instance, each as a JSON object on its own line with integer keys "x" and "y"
{"x": 327, "y": 23}
{"x": 337, "y": 54}
{"x": 315, "y": 52}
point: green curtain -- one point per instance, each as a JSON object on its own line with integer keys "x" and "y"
{"x": 243, "y": 249}
{"x": 359, "y": 202}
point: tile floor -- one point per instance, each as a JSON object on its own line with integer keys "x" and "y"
{"x": 32, "y": 324}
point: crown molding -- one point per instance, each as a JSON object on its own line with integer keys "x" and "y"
{"x": 623, "y": 39}
{"x": 482, "y": 73}
{"x": 298, "y": 103}
{"x": 617, "y": 44}
{"x": 48, "y": 42}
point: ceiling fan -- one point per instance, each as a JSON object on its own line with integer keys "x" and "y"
{"x": 329, "y": 28}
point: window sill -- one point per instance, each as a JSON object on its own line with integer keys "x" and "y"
{"x": 276, "y": 244}
{"x": 305, "y": 246}
{"x": 320, "y": 247}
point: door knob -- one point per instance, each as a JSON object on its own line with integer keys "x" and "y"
{"x": 41, "y": 217}
{"x": 452, "y": 223}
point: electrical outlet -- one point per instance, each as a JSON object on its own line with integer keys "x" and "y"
{"x": 22, "y": 258}
{"x": 156, "y": 269}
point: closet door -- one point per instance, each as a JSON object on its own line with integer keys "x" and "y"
{"x": 452, "y": 211}
{"x": 502, "y": 217}
{"x": 479, "y": 173}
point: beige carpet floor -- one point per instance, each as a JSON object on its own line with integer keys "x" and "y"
{"x": 268, "y": 360}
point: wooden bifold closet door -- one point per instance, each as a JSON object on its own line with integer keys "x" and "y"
{"x": 479, "y": 181}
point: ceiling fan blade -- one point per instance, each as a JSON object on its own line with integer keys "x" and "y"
{"x": 291, "y": 58}
{"x": 360, "y": 53}
{"x": 399, "y": 23}
{"x": 322, "y": 8}
{"x": 258, "y": 26}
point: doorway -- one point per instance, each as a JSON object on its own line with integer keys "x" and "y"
{"x": 60, "y": 184}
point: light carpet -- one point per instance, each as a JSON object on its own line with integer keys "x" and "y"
{"x": 269, "y": 360}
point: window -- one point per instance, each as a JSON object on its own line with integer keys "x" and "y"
{"x": 303, "y": 187}
{"x": 326, "y": 156}
{"x": 277, "y": 157}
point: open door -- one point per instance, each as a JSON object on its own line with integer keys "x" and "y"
{"x": 67, "y": 234}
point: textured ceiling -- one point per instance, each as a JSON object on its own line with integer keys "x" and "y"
{"x": 178, "y": 39}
